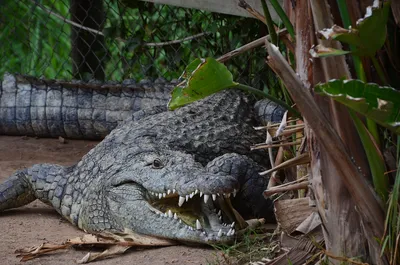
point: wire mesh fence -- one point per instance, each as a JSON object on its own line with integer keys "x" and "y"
{"x": 120, "y": 39}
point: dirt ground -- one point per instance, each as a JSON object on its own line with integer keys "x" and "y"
{"x": 36, "y": 223}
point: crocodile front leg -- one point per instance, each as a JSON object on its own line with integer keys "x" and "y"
{"x": 16, "y": 191}
{"x": 250, "y": 201}
{"x": 45, "y": 182}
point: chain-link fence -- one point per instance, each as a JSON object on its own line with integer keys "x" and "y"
{"x": 119, "y": 39}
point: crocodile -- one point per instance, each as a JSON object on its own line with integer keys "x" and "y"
{"x": 185, "y": 175}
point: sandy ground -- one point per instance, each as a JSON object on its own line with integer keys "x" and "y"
{"x": 36, "y": 223}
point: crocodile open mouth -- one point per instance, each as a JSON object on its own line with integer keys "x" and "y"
{"x": 207, "y": 213}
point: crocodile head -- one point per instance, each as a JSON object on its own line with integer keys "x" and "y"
{"x": 166, "y": 193}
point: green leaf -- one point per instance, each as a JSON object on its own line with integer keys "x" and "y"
{"x": 321, "y": 51}
{"x": 369, "y": 34}
{"x": 381, "y": 104}
{"x": 190, "y": 69}
{"x": 203, "y": 77}
{"x": 375, "y": 158}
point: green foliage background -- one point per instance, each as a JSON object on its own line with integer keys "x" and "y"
{"x": 36, "y": 43}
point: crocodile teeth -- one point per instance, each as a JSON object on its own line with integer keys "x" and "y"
{"x": 201, "y": 193}
{"x": 175, "y": 216}
{"x": 198, "y": 225}
{"x": 160, "y": 195}
{"x": 187, "y": 197}
{"x": 165, "y": 215}
{"x": 196, "y": 191}
{"x": 191, "y": 195}
{"x": 168, "y": 192}
{"x": 219, "y": 233}
{"x": 170, "y": 215}
{"x": 214, "y": 197}
{"x": 173, "y": 190}
{"x": 164, "y": 195}
{"x": 220, "y": 219}
{"x": 181, "y": 201}
{"x": 206, "y": 197}
{"x": 219, "y": 213}
{"x": 229, "y": 232}
{"x": 233, "y": 224}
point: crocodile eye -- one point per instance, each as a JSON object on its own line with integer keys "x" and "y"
{"x": 157, "y": 164}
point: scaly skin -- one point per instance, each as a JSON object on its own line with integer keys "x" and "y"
{"x": 49, "y": 108}
{"x": 193, "y": 155}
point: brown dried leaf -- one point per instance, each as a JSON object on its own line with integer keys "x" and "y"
{"x": 112, "y": 251}
{"x": 114, "y": 244}
{"x": 32, "y": 252}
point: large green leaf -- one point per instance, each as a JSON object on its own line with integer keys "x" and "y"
{"x": 381, "y": 104}
{"x": 368, "y": 35}
{"x": 203, "y": 77}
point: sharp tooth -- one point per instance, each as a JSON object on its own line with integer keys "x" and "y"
{"x": 164, "y": 194}
{"x": 234, "y": 192}
{"x": 191, "y": 195}
{"x": 180, "y": 221}
{"x": 198, "y": 225}
{"x": 187, "y": 197}
{"x": 181, "y": 201}
{"x": 170, "y": 215}
{"x": 229, "y": 232}
{"x": 233, "y": 232}
{"x": 201, "y": 193}
{"x": 219, "y": 233}
{"x": 219, "y": 213}
{"x": 165, "y": 215}
{"x": 196, "y": 191}
{"x": 175, "y": 216}
{"x": 168, "y": 192}
{"x": 233, "y": 224}
{"x": 160, "y": 195}
{"x": 214, "y": 196}
{"x": 206, "y": 196}
{"x": 173, "y": 190}
{"x": 220, "y": 219}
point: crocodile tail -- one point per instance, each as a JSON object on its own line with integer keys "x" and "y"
{"x": 76, "y": 110}
{"x": 16, "y": 191}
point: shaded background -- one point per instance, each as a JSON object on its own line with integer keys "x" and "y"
{"x": 121, "y": 39}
